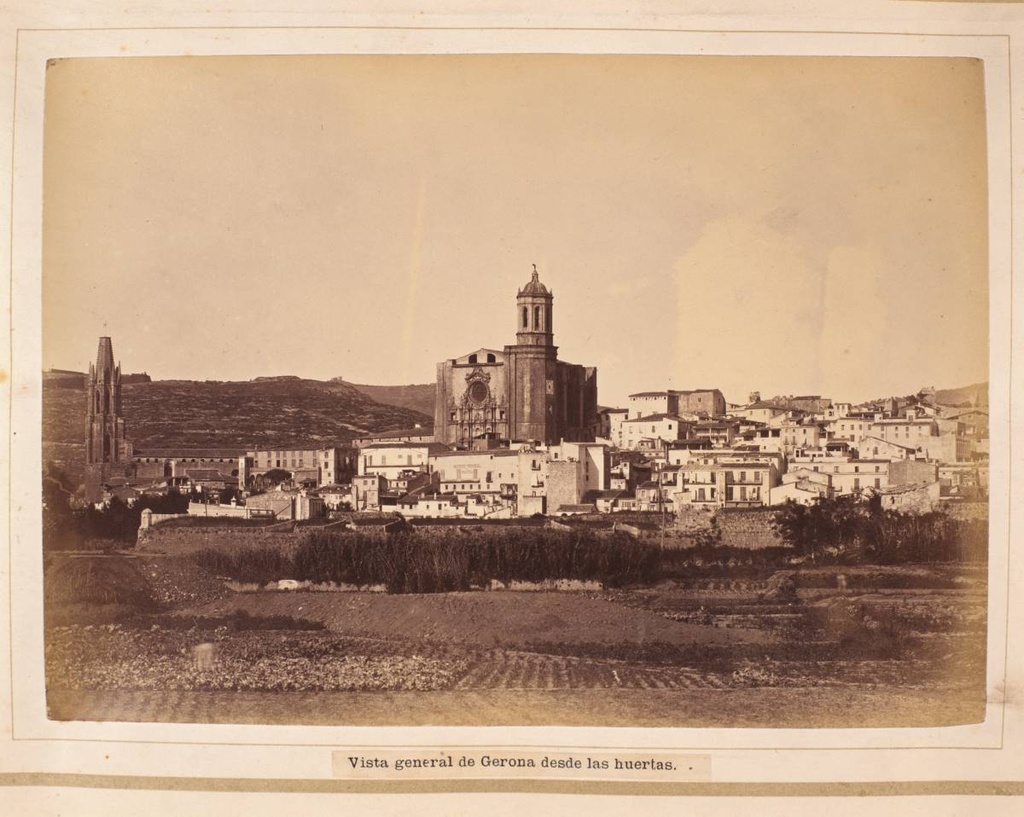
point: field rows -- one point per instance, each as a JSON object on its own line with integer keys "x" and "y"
{"x": 517, "y": 670}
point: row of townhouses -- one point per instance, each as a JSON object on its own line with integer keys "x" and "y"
{"x": 518, "y": 431}
{"x": 761, "y": 454}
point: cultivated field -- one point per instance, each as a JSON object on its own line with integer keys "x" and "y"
{"x": 895, "y": 646}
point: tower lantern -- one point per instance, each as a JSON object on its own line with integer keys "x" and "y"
{"x": 534, "y": 313}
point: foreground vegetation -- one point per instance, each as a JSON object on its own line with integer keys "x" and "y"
{"x": 665, "y": 646}
{"x": 408, "y": 563}
{"x": 851, "y": 530}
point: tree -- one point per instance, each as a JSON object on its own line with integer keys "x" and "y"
{"x": 171, "y": 502}
{"x": 58, "y": 517}
{"x": 840, "y": 524}
{"x": 275, "y": 476}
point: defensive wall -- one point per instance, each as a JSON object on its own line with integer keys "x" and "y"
{"x": 966, "y": 511}
{"x": 177, "y": 540}
{"x": 747, "y": 528}
{"x": 182, "y": 533}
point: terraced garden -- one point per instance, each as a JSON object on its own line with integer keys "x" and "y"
{"x": 881, "y": 654}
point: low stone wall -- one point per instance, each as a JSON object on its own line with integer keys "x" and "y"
{"x": 149, "y": 518}
{"x": 208, "y": 510}
{"x": 694, "y": 519}
{"x": 181, "y": 540}
{"x": 739, "y": 528}
{"x": 750, "y": 529}
{"x": 966, "y": 511}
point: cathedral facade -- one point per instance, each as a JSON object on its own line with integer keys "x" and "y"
{"x": 521, "y": 393}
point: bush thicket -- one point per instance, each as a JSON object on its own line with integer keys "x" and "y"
{"x": 407, "y": 563}
{"x": 847, "y": 529}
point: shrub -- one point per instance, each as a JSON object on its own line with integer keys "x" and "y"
{"x": 861, "y": 632}
{"x": 250, "y": 565}
{"x": 237, "y": 621}
{"x": 101, "y": 580}
{"x": 847, "y": 530}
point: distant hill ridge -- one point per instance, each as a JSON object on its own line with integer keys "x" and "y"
{"x": 418, "y": 397}
{"x": 285, "y": 412}
{"x": 975, "y": 394}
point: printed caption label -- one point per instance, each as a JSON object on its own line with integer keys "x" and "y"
{"x": 439, "y": 764}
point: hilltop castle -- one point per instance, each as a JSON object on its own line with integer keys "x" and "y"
{"x": 524, "y": 393}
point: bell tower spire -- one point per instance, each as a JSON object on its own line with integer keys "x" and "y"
{"x": 106, "y": 446}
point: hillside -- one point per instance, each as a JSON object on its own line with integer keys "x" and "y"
{"x": 419, "y": 397}
{"x": 281, "y": 411}
{"x": 975, "y": 394}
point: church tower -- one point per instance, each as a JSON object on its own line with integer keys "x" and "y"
{"x": 522, "y": 394}
{"x": 534, "y": 408}
{"x": 534, "y": 313}
{"x": 106, "y": 446}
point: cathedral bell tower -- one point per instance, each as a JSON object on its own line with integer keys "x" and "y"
{"x": 105, "y": 443}
{"x": 534, "y": 407}
{"x": 534, "y": 314}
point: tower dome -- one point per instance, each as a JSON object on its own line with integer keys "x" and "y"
{"x": 534, "y": 286}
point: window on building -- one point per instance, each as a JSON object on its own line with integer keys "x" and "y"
{"x": 536, "y": 317}
{"x": 490, "y": 358}
{"x": 525, "y": 318}
{"x": 878, "y": 483}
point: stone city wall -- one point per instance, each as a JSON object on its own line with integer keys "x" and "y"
{"x": 750, "y": 529}
{"x": 180, "y": 540}
{"x": 966, "y": 511}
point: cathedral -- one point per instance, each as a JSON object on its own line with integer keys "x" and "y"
{"x": 523, "y": 393}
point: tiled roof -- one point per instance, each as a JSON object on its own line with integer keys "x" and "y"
{"x": 431, "y": 447}
{"x": 653, "y": 418}
{"x": 487, "y": 452}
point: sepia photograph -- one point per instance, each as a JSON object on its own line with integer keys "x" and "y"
{"x": 516, "y": 390}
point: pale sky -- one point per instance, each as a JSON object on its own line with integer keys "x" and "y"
{"x": 788, "y": 225}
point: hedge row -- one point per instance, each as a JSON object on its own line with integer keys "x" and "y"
{"x": 405, "y": 563}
